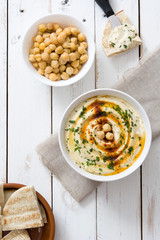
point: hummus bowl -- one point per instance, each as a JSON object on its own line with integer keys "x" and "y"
{"x": 105, "y": 135}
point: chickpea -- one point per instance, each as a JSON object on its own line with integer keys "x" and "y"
{"x": 38, "y": 57}
{"x": 54, "y": 39}
{"x": 81, "y": 37}
{"x": 109, "y": 136}
{"x": 64, "y": 57}
{"x": 36, "y": 45}
{"x": 56, "y": 70}
{"x": 50, "y": 26}
{"x": 48, "y": 69}
{"x": 45, "y": 56}
{"x": 64, "y": 76}
{"x": 67, "y": 31}
{"x": 59, "y": 50}
{"x": 42, "y": 65}
{"x": 59, "y": 30}
{"x": 35, "y": 65}
{"x": 107, "y": 127}
{"x": 74, "y": 31}
{"x": 84, "y": 58}
{"x": 52, "y": 47}
{"x": 53, "y": 77}
{"x": 72, "y": 57}
{"x": 54, "y": 64}
{"x": 84, "y": 44}
{"x": 61, "y": 37}
{"x": 75, "y": 71}
{"x": 66, "y": 45}
{"x": 39, "y": 38}
{"x": 100, "y": 135}
{"x": 47, "y": 50}
{"x": 42, "y": 27}
{"x": 41, "y": 71}
{"x": 67, "y": 50}
{"x": 31, "y": 51}
{"x": 42, "y": 46}
{"x": 58, "y": 76}
{"x": 55, "y": 26}
{"x": 77, "y": 55}
{"x": 32, "y": 58}
{"x": 69, "y": 70}
{"x": 75, "y": 64}
{"x": 74, "y": 40}
{"x": 46, "y": 35}
{"x": 68, "y": 39}
{"x": 47, "y": 41}
{"x": 36, "y": 50}
{"x": 62, "y": 68}
{"x": 54, "y": 56}
{"x": 33, "y": 39}
{"x": 81, "y": 49}
{"x": 79, "y": 67}
{"x": 46, "y": 75}
{"x": 73, "y": 46}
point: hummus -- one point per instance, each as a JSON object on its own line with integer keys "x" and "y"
{"x": 113, "y": 151}
{"x": 121, "y": 38}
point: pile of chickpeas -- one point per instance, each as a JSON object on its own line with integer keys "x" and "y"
{"x": 58, "y": 53}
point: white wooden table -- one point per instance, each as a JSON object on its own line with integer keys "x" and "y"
{"x": 30, "y": 112}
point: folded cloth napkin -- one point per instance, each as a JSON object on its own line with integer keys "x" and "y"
{"x": 143, "y": 83}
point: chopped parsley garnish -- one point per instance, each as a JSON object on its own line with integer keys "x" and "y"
{"x": 127, "y": 165}
{"x": 100, "y": 169}
{"x": 139, "y": 138}
{"x": 125, "y": 25}
{"x": 91, "y": 149}
{"x": 125, "y": 46}
{"x": 84, "y": 141}
{"x": 103, "y": 113}
{"x": 113, "y": 44}
{"x": 83, "y": 112}
{"x": 71, "y": 121}
{"x": 101, "y": 104}
{"x": 104, "y": 158}
{"x": 140, "y": 145}
{"x": 120, "y": 46}
{"x": 97, "y": 159}
{"x": 111, "y": 165}
{"x": 130, "y": 39}
{"x": 130, "y": 150}
{"x": 77, "y": 149}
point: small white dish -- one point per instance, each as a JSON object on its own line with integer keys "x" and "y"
{"x": 64, "y": 21}
{"x": 135, "y": 104}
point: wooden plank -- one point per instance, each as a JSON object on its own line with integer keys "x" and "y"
{"x": 150, "y": 31}
{"x": 29, "y": 104}
{"x": 78, "y": 220}
{"x": 118, "y": 203}
{"x": 3, "y": 88}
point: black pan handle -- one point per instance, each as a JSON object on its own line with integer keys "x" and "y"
{"x": 105, "y": 5}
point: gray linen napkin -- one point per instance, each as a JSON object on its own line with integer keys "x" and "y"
{"x": 143, "y": 83}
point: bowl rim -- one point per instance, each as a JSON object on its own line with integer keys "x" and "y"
{"x": 81, "y": 74}
{"x": 131, "y": 100}
{"x": 44, "y": 203}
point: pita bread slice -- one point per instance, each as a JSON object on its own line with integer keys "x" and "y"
{"x": 22, "y": 210}
{"x": 17, "y": 235}
{"x": 108, "y": 49}
{"x": 9, "y": 192}
{"x": 0, "y": 224}
{"x": 1, "y": 196}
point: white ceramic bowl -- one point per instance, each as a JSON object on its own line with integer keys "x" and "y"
{"x": 102, "y": 92}
{"x": 64, "y": 21}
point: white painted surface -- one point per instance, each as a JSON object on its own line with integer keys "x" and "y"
{"x": 114, "y": 210}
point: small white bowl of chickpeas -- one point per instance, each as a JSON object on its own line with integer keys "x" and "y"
{"x": 58, "y": 49}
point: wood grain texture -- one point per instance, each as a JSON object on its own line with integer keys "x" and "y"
{"x": 118, "y": 203}
{"x": 3, "y": 87}
{"x": 29, "y": 104}
{"x": 150, "y": 31}
{"x": 78, "y": 220}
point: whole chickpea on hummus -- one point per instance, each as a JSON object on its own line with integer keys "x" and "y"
{"x": 104, "y": 135}
{"x": 58, "y": 53}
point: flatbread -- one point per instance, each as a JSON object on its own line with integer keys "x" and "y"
{"x": 17, "y": 235}
{"x": 110, "y": 51}
{"x": 22, "y": 210}
{"x": 1, "y": 195}
{"x": 9, "y": 192}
